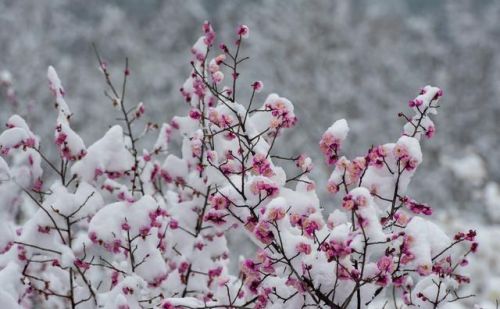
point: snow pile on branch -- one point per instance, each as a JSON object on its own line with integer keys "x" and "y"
{"x": 106, "y": 156}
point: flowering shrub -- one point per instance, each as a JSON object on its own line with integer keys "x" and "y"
{"x": 129, "y": 227}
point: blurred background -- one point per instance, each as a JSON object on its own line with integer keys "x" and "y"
{"x": 360, "y": 60}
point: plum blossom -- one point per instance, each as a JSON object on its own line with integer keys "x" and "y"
{"x": 123, "y": 227}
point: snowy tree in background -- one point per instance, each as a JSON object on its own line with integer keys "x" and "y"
{"x": 127, "y": 224}
{"x": 373, "y": 53}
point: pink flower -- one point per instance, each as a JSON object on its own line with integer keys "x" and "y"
{"x": 224, "y": 48}
{"x": 385, "y": 264}
{"x": 401, "y": 218}
{"x": 183, "y": 267}
{"x": 243, "y": 31}
{"x": 225, "y": 121}
{"x": 310, "y": 226}
{"x": 257, "y": 86}
{"x": 217, "y": 77}
{"x": 250, "y": 269}
{"x": 329, "y": 145}
{"x": 251, "y": 223}
{"x": 43, "y": 229}
{"x": 167, "y": 305}
{"x": 261, "y": 186}
{"x": 376, "y": 156}
{"x": 399, "y": 281}
{"x": 219, "y": 202}
{"x": 114, "y": 278}
{"x": 144, "y": 231}
{"x": 336, "y": 249}
{"x": 209, "y": 33}
{"x": 213, "y": 66}
{"x": 195, "y": 113}
{"x": 220, "y": 59}
{"x": 124, "y": 196}
{"x": 215, "y": 217}
{"x": 174, "y": 224}
{"x": 471, "y": 235}
{"x": 283, "y": 116}
{"x": 424, "y": 270}
{"x": 401, "y": 152}
{"x": 415, "y": 103}
{"x": 81, "y": 264}
{"x": 439, "y": 94}
{"x": 355, "y": 169}
{"x": 166, "y": 176}
{"x": 311, "y": 186}
{"x": 146, "y": 156}
{"x": 304, "y": 163}
{"x": 61, "y": 138}
{"x": 139, "y": 111}
{"x": 214, "y": 272}
{"x": 332, "y": 187}
{"x": 127, "y": 290}
{"x": 21, "y": 254}
{"x": 303, "y": 248}
{"x": 417, "y": 208}
{"x": 361, "y": 201}
{"x": 275, "y": 214}
{"x": 295, "y": 219}
{"x": 199, "y": 245}
{"x": 261, "y": 165}
{"x": 348, "y": 203}
{"x": 93, "y": 237}
{"x": 430, "y": 131}
{"x": 297, "y": 284}
{"x": 114, "y": 246}
{"x": 263, "y": 233}
{"x": 383, "y": 280}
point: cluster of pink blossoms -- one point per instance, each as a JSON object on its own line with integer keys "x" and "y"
{"x": 127, "y": 225}
{"x": 281, "y": 111}
{"x": 262, "y": 166}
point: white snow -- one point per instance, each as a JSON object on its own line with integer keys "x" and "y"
{"x": 469, "y": 168}
{"x": 108, "y": 154}
{"x": 58, "y": 91}
{"x": 339, "y": 129}
{"x": 492, "y": 200}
